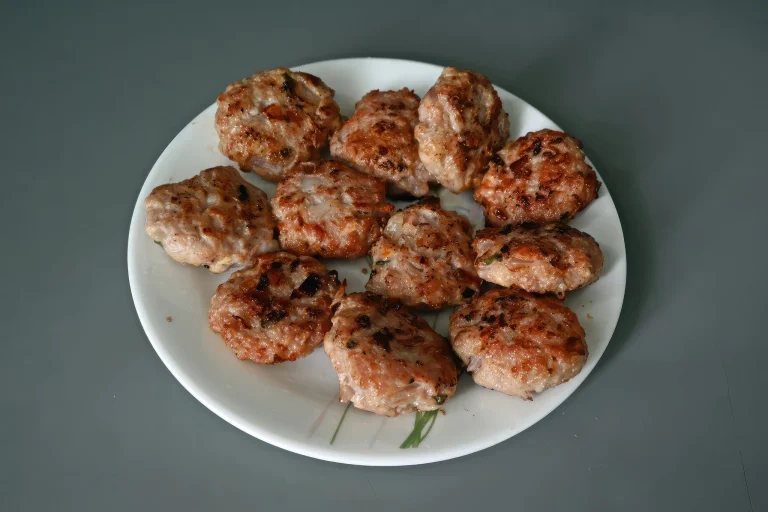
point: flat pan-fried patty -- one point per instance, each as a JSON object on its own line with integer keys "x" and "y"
{"x": 424, "y": 257}
{"x": 550, "y": 258}
{"x": 330, "y": 210}
{"x": 461, "y": 124}
{"x": 378, "y": 140}
{"x": 518, "y": 343}
{"x": 275, "y": 119}
{"x": 276, "y": 310}
{"x": 540, "y": 177}
{"x": 215, "y": 219}
{"x": 389, "y": 360}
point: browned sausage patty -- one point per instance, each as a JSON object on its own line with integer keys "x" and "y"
{"x": 551, "y": 258}
{"x": 330, "y": 210}
{"x": 518, "y": 343}
{"x": 541, "y": 177}
{"x": 424, "y": 257}
{"x": 216, "y": 219}
{"x": 378, "y": 140}
{"x": 461, "y": 124}
{"x": 388, "y": 359}
{"x": 276, "y": 310}
{"x": 275, "y": 119}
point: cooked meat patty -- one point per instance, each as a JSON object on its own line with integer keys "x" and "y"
{"x": 461, "y": 124}
{"x": 378, "y": 140}
{"x": 276, "y": 310}
{"x": 552, "y": 258}
{"x": 330, "y": 210}
{"x": 216, "y": 219}
{"x": 518, "y": 343}
{"x": 388, "y": 359}
{"x": 275, "y": 119}
{"x": 424, "y": 257}
{"x": 541, "y": 177}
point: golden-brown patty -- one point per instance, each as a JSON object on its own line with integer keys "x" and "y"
{"x": 550, "y": 258}
{"x": 518, "y": 343}
{"x": 378, "y": 140}
{"x": 461, "y": 124}
{"x": 424, "y": 257}
{"x": 540, "y": 177}
{"x": 330, "y": 210}
{"x": 275, "y": 119}
{"x": 389, "y": 360}
{"x": 215, "y": 219}
{"x": 276, "y": 310}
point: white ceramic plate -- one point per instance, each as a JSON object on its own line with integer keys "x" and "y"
{"x": 295, "y": 405}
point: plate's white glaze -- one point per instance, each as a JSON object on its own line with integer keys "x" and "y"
{"x": 294, "y": 405}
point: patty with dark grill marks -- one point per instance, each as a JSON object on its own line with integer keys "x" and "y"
{"x": 461, "y": 124}
{"x": 424, "y": 257}
{"x": 378, "y": 140}
{"x": 276, "y": 310}
{"x": 540, "y": 177}
{"x": 274, "y": 120}
{"x": 389, "y": 360}
{"x": 518, "y": 343}
{"x": 551, "y": 258}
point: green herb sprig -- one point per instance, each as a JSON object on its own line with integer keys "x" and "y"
{"x": 344, "y": 415}
{"x": 423, "y": 418}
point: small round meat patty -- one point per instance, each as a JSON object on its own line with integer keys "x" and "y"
{"x": 551, "y": 258}
{"x": 275, "y": 119}
{"x": 518, "y": 343}
{"x": 378, "y": 140}
{"x": 389, "y": 360}
{"x": 540, "y": 177}
{"x": 276, "y": 310}
{"x": 330, "y": 210}
{"x": 216, "y": 219}
{"x": 461, "y": 124}
{"x": 424, "y": 257}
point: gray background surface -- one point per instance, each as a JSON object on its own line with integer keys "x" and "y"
{"x": 671, "y": 104}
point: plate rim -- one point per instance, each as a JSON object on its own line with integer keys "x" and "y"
{"x": 305, "y": 449}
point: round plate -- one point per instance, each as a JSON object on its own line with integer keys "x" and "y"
{"x": 295, "y": 405}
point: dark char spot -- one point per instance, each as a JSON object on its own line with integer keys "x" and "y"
{"x": 287, "y": 83}
{"x": 309, "y": 287}
{"x": 363, "y": 321}
{"x": 243, "y": 193}
{"x": 382, "y": 337}
{"x": 272, "y": 317}
{"x": 263, "y": 283}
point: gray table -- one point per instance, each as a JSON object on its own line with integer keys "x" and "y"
{"x": 671, "y": 104}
